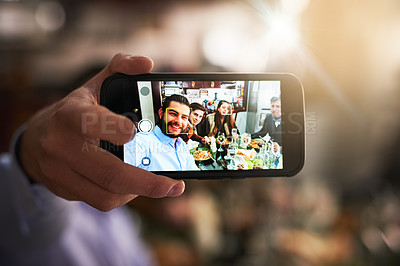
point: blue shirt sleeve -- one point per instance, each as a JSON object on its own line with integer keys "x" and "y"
{"x": 39, "y": 228}
{"x": 135, "y": 151}
{"x": 190, "y": 162}
{"x": 22, "y": 207}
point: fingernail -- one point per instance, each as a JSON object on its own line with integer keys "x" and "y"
{"x": 176, "y": 190}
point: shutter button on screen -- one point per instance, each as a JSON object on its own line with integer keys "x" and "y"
{"x": 145, "y": 125}
{"x": 146, "y": 161}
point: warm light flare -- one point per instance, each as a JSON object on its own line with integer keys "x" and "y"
{"x": 250, "y": 43}
{"x": 282, "y": 33}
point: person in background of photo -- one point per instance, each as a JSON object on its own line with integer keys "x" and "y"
{"x": 163, "y": 149}
{"x": 196, "y": 116}
{"x": 272, "y": 124}
{"x": 221, "y": 121}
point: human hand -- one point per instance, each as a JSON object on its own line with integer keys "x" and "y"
{"x": 276, "y": 147}
{"x": 60, "y": 150}
{"x": 206, "y": 140}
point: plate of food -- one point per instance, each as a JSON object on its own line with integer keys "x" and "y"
{"x": 247, "y": 154}
{"x": 256, "y": 144}
{"x": 203, "y": 156}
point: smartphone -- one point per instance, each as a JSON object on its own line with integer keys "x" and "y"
{"x": 210, "y": 125}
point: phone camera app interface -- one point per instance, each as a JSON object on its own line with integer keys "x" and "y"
{"x": 209, "y": 125}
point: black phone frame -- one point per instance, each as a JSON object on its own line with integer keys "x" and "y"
{"x": 117, "y": 95}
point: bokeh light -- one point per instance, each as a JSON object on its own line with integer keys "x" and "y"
{"x": 50, "y": 15}
{"x": 342, "y": 209}
{"x": 16, "y": 21}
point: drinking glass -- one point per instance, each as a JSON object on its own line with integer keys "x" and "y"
{"x": 220, "y": 141}
{"x": 234, "y": 134}
{"x": 232, "y": 151}
{"x": 246, "y": 138}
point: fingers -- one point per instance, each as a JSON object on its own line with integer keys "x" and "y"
{"x": 120, "y": 63}
{"x": 93, "y": 121}
{"x": 96, "y": 122}
{"x": 97, "y": 177}
{"x": 116, "y": 176}
{"x": 108, "y": 171}
{"x": 130, "y": 65}
{"x": 70, "y": 185}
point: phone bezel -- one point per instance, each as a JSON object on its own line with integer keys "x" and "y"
{"x": 116, "y": 92}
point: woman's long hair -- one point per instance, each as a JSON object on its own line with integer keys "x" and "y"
{"x": 228, "y": 119}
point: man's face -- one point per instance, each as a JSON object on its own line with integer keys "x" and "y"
{"x": 175, "y": 119}
{"x": 196, "y": 116}
{"x": 276, "y": 109}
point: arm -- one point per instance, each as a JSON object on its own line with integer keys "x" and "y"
{"x": 190, "y": 162}
{"x": 61, "y": 164}
{"x": 39, "y": 228}
{"x": 130, "y": 154}
{"x": 197, "y": 138}
{"x": 136, "y": 150}
{"x": 264, "y": 130}
{"x": 60, "y": 150}
{"x": 30, "y": 214}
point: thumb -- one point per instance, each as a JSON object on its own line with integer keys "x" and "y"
{"x": 120, "y": 63}
{"x": 96, "y": 122}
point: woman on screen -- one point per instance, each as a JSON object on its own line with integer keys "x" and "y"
{"x": 221, "y": 121}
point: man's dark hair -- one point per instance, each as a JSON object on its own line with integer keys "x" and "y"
{"x": 174, "y": 98}
{"x": 197, "y": 106}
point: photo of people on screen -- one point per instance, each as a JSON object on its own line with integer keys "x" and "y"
{"x": 163, "y": 149}
{"x": 212, "y": 125}
{"x": 272, "y": 125}
{"x": 197, "y": 113}
{"x": 222, "y": 121}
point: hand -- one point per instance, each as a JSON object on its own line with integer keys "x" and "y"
{"x": 206, "y": 140}
{"x": 276, "y": 147}
{"x": 61, "y": 151}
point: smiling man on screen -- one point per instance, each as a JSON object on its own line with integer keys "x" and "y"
{"x": 163, "y": 149}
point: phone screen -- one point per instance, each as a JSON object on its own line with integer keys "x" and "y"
{"x": 208, "y": 125}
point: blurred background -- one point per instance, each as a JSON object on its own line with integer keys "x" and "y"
{"x": 342, "y": 209}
